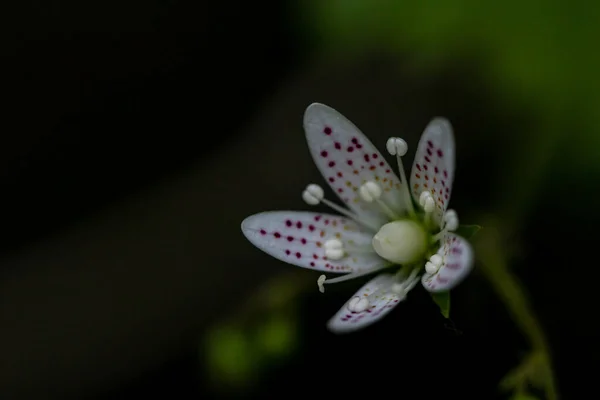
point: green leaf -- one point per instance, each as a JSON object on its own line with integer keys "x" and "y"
{"x": 442, "y": 299}
{"x": 467, "y": 231}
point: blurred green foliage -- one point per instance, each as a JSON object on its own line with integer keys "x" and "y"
{"x": 535, "y": 55}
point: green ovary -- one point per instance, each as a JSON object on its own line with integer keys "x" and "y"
{"x": 401, "y": 242}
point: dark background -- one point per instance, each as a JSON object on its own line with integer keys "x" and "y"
{"x": 137, "y": 135}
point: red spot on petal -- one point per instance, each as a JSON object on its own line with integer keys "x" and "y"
{"x": 331, "y": 179}
{"x": 311, "y": 228}
{"x": 324, "y": 153}
{"x": 288, "y": 223}
{"x": 331, "y": 163}
{"x": 298, "y": 255}
{"x": 299, "y": 225}
{"x": 350, "y": 162}
{"x": 337, "y": 145}
{"x": 326, "y": 222}
{"x": 316, "y": 257}
{"x": 445, "y": 174}
{"x": 429, "y": 143}
{"x": 340, "y": 190}
{"x": 439, "y": 153}
{"x": 303, "y": 241}
{"x": 425, "y": 167}
{"x": 381, "y": 163}
{"x": 263, "y": 232}
{"x": 350, "y": 149}
{"x": 417, "y": 176}
{"x": 327, "y": 130}
{"x": 367, "y": 158}
{"x": 277, "y": 235}
{"x": 317, "y": 217}
{"x": 339, "y": 174}
{"x": 290, "y": 238}
{"x": 427, "y": 159}
{"x": 288, "y": 252}
{"x": 354, "y": 140}
{"x": 387, "y": 171}
{"x": 429, "y": 152}
{"x": 312, "y": 264}
{"x": 359, "y": 146}
{"x": 418, "y": 166}
{"x": 375, "y": 156}
{"x": 436, "y": 170}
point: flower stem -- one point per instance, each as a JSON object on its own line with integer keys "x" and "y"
{"x": 511, "y": 292}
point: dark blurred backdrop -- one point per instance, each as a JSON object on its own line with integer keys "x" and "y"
{"x": 137, "y": 135}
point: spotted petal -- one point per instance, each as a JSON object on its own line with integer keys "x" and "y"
{"x": 458, "y": 261}
{"x": 297, "y": 237}
{"x": 381, "y": 301}
{"x": 347, "y": 159}
{"x": 433, "y": 168}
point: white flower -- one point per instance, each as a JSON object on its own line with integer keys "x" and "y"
{"x": 380, "y": 229}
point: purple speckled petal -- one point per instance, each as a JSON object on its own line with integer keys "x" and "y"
{"x": 297, "y": 237}
{"x": 457, "y": 263}
{"x": 347, "y": 159}
{"x": 433, "y": 168}
{"x": 381, "y": 302}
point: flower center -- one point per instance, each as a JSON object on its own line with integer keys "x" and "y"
{"x": 401, "y": 242}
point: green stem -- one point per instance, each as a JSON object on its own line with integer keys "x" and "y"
{"x": 511, "y": 292}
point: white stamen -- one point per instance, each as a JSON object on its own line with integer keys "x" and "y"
{"x": 313, "y": 195}
{"x": 406, "y": 285}
{"x": 358, "y": 304}
{"x": 398, "y": 147}
{"x": 451, "y": 220}
{"x": 350, "y": 276}
{"x": 450, "y": 224}
{"x": 320, "y": 283}
{"x": 334, "y": 249}
{"x": 431, "y": 268}
{"x": 426, "y": 201}
{"x": 436, "y": 260}
{"x": 371, "y": 192}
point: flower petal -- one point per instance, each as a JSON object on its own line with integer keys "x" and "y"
{"x": 433, "y": 167}
{"x": 347, "y": 159}
{"x": 381, "y": 301}
{"x": 458, "y": 261}
{"x": 298, "y": 237}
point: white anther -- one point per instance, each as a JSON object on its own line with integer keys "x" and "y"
{"x": 396, "y": 146}
{"x": 451, "y": 219}
{"x": 423, "y": 198}
{"x": 431, "y": 268}
{"x": 436, "y": 260}
{"x": 429, "y": 205}
{"x": 320, "y": 283}
{"x": 334, "y": 249}
{"x": 334, "y": 254}
{"x": 333, "y": 244}
{"x": 313, "y": 194}
{"x": 370, "y": 191}
{"x": 358, "y": 304}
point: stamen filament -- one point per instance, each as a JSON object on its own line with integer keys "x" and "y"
{"x": 323, "y": 279}
{"x": 314, "y": 194}
{"x": 398, "y": 147}
{"x": 386, "y": 209}
{"x": 349, "y": 214}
